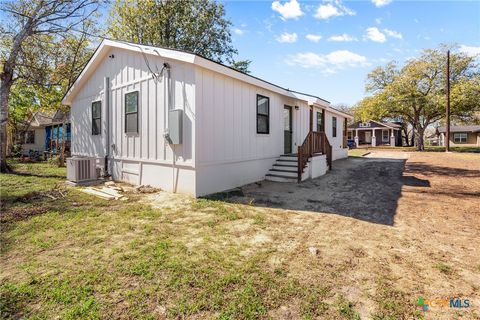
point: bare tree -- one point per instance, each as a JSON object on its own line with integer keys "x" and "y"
{"x": 29, "y": 23}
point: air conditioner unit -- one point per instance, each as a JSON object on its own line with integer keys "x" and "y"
{"x": 81, "y": 169}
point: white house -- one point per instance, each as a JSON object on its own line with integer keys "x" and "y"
{"x": 187, "y": 124}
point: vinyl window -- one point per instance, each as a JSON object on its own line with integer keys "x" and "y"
{"x": 131, "y": 112}
{"x": 460, "y": 137}
{"x": 385, "y": 135}
{"x": 26, "y": 137}
{"x": 96, "y": 117}
{"x": 334, "y": 127}
{"x": 263, "y": 114}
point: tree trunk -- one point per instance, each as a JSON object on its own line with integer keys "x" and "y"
{"x": 6, "y": 80}
{"x": 419, "y": 139}
{"x": 405, "y": 135}
{"x": 412, "y": 138}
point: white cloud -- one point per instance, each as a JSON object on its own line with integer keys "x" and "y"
{"x": 313, "y": 37}
{"x": 393, "y": 33}
{"x": 342, "y": 38}
{"x": 287, "y": 37}
{"x": 378, "y": 20}
{"x": 289, "y": 10}
{"x": 238, "y": 31}
{"x": 332, "y": 9}
{"x": 381, "y": 3}
{"x": 375, "y": 35}
{"x": 329, "y": 63}
{"x": 471, "y": 51}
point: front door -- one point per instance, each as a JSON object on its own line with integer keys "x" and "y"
{"x": 368, "y": 137}
{"x": 287, "y": 129}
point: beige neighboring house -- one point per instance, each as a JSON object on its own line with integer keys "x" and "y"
{"x": 44, "y": 133}
{"x": 33, "y": 138}
{"x": 461, "y": 136}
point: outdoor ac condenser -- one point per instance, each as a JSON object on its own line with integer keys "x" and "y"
{"x": 81, "y": 169}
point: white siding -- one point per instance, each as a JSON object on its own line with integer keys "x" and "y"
{"x": 229, "y": 152}
{"x": 128, "y": 72}
{"x": 221, "y": 148}
{"x": 338, "y": 151}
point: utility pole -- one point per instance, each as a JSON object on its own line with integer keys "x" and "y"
{"x": 447, "y": 83}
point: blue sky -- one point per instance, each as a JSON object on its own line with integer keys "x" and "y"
{"x": 327, "y": 48}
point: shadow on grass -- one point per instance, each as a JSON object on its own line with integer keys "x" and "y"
{"x": 431, "y": 170}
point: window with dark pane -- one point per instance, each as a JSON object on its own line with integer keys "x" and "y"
{"x": 319, "y": 121}
{"x": 263, "y": 114}
{"x": 131, "y": 112}
{"x": 96, "y": 117}
{"x": 334, "y": 127}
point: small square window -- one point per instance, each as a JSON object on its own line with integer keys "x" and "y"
{"x": 30, "y": 137}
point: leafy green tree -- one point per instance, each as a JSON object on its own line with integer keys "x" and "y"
{"x": 242, "y": 66}
{"x": 416, "y": 92}
{"x": 35, "y": 52}
{"x": 197, "y": 26}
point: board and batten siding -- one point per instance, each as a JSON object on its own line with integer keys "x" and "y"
{"x": 338, "y": 151}
{"x": 229, "y": 151}
{"x": 144, "y": 157}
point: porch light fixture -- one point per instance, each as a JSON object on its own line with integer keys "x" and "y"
{"x": 297, "y": 107}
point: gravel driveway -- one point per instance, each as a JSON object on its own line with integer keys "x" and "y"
{"x": 366, "y": 188}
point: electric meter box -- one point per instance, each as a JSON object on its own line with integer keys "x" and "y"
{"x": 175, "y": 126}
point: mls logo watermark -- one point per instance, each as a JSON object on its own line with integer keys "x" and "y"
{"x": 457, "y": 303}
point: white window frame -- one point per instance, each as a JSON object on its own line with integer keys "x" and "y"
{"x": 460, "y": 137}
{"x": 383, "y": 136}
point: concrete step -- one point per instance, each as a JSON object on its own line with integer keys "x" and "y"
{"x": 288, "y": 157}
{"x": 287, "y": 162}
{"x": 278, "y": 178}
{"x": 283, "y": 173}
{"x": 285, "y": 167}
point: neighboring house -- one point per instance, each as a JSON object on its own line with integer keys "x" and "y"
{"x": 178, "y": 121}
{"x": 375, "y": 133}
{"x": 460, "y": 136}
{"x": 44, "y": 132}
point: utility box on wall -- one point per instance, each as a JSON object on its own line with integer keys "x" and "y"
{"x": 175, "y": 126}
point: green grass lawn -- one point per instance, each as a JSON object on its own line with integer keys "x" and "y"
{"x": 79, "y": 257}
{"x": 356, "y": 152}
{"x": 69, "y": 255}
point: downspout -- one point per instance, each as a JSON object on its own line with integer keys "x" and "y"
{"x": 170, "y": 107}
{"x": 106, "y": 100}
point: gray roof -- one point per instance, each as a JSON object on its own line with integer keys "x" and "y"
{"x": 381, "y": 123}
{"x": 470, "y": 128}
{"x": 43, "y": 118}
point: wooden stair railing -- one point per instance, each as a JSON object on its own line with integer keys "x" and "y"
{"x": 315, "y": 142}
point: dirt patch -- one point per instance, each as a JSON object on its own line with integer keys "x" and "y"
{"x": 21, "y": 213}
{"x": 385, "y": 230}
{"x": 398, "y": 226}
